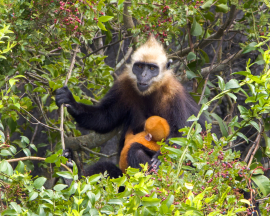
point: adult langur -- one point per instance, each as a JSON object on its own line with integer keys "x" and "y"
{"x": 147, "y": 87}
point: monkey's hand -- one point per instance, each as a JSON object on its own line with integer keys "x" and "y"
{"x": 155, "y": 161}
{"x": 64, "y": 96}
{"x": 67, "y": 153}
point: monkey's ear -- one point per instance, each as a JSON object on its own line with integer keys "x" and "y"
{"x": 148, "y": 137}
{"x": 169, "y": 64}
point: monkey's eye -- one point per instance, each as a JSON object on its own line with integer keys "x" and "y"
{"x": 152, "y": 68}
{"x": 140, "y": 66}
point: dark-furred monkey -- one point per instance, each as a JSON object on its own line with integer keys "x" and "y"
{"x": 147, "y": 87}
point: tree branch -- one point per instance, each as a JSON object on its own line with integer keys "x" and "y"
{"x": 214, "y": 36}
{"x": 128, "y": 23}
{"x": 96, "y": 140}
{"x": 62, "y": 106}
{"x": 250, "y": 155}
{"x": 35, "y": 158}
{"x": 224, "y": 64}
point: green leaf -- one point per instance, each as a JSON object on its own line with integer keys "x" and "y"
{"x": 148, "y": 201}
{"x": 178, "y": 152}
{"x": 242, "y": 136}
{"x": 94, "y": 178}
{"x": 267, "y": 143}
{"x": 16, "y": 207}
{"x": 196, "y": 29}
{"x": 9, "y": 211}
{"x": 5, "y": 152}
{"x": 20, "y": 167}
{"x": 27, "y": 152}
{"x": 120, "y": 1}
{"x": 256, "y": 79}
{"x": 6, "y": 168}
{"x": 244, "y": 201}
{"x": 100, "y": 4}
{"x": 224, "y": 195}
{"x": 35, "y": 59}
{"x": 2, "y": 137}
{"x": 193, "y": 118}
{"x": 24, "y": 139}
{"x": 115, "y": 202}
{"x": 33, "y": 195}
{"x": 75, "y": 168}
{"x": 105, "y": 18}
{"x": 109, "y": 210}
{"x": 169, "y": 200}
{"x": 52, "y": 159}
{"x": 60, "y": 187}
{"x": 39, "y": 89}
{"x": 232, "y": 96}
{"x": 249, "y": 47}
{"x": 1, "y": 126}
{"x": 101, "y": 26}
{"x": 12, "y": 81}
{"x": 243, "y": 110}
{"x": 207, "y": 4}
{"x": 223, "y": 127}
{"x": 255, "y": 125}
{"x": 205, "y": 56}
{"x": 65, "y": 174}
{"x": 244, "y": 73}
{"x": 39, "y": 182}
{"x": 76, "y": 41}
{"x": 190, "y": 74}
{"x": 33, "y": 147}
{"x": 263, "y": 183}
{"x": 191, "y": 56}
{"x": 221, "y": 83}
{"x": 222, "y": 8}
{"x": 233, "y": 83}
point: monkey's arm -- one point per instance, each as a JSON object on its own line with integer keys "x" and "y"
{"x": 139, "y": 154}
{"x": 102, "y": 118}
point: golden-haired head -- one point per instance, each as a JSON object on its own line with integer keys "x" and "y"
{"x": 158, "y": 128}
{"x": 150, "y": 52}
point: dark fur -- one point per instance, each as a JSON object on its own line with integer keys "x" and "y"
{"x": 139, "y": 154}
{"x": 100, "y": 167}
{"x": 123, "y": 105}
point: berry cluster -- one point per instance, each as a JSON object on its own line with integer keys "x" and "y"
{"x": 198, "y": 3}
{"x": 159, "y": 24}
{"x": 67, "y": 16}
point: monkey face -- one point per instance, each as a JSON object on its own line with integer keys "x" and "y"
{"x": 145, "y": 72}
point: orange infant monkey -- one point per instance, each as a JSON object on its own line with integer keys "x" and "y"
{"x": 140, "y": 148}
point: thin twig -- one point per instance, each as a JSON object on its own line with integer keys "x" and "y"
{"x": 34, "y": 135}
{"x": 124, "y": 59}
{"x": 38, "y": 122}
{"x": 207, "y": 77}
{"x": 250, "y": 155}
{"x": 106, "y": 46}
{"x": 35, "y": 158}
{"x": 96, "y": 153}
{"x": 62, "y": 106}
{"x": 240, "y": 143}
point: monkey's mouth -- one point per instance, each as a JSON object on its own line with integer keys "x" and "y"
{"x": 142, "y": 86}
